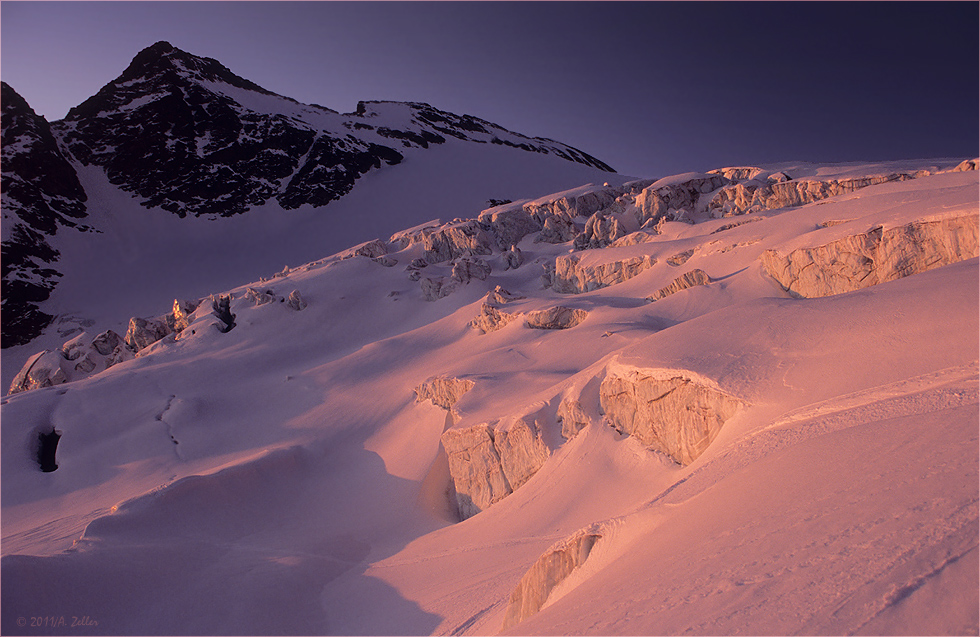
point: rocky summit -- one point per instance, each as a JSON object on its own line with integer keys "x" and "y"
{"x": 188, "y": 135}
{"x": 183, "y": 133}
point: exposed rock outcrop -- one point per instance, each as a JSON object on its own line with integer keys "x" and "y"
{"x": 687, "y": 280}
{"x": 555, "y": 318}
{"x": 667, "y": 411}
{"x": 185, "y": 133}
{"x": 546, "y": 573}
{"x": 41, "y": 194}
{"x": 571, "y": 277}
{"x": 874, "y": 257}
{"x": 488, "y": 464}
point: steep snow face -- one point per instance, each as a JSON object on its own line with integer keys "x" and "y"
{"x": 283, "y": 475}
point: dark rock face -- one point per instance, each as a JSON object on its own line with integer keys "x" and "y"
{"x": 185, "y": 134}
{"x": 188, "y": 135}
{"x": 41, "y": 193}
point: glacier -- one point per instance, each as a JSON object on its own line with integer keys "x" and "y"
{"x": 715, "y": 440}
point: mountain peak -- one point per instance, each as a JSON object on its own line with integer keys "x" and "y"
{"x": 162, "y": 59}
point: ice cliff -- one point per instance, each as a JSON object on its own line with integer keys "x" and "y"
{"x": 667, "y": 410}
{"x": 876, "y": 256}
{"x": 556, "y": 564}
{"x": 570, "y": 276}
{"x": 489, "y": 461}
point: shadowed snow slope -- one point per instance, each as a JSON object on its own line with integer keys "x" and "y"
{"x": 94, "y": 205}
{"x": 727, "y": 459}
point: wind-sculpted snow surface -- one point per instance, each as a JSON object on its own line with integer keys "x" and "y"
{"x": 728, "y": 459}
{"x": 877, "y": 256}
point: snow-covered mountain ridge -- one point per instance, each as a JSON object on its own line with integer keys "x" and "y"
{"x": 739, "y": 401}
{"x": 183, "y": 134}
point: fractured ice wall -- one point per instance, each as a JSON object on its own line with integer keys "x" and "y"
{"x": 488, "y": 464}
{"x": 669, "y": 411}
{"x": 443, "y": 391}
{"x": 687, "y": 280}
{"x": 877, "y": 256}
{"x": 546, "y": 573}
{"x": 571, "y": 277}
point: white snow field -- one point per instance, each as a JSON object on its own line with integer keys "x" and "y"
{"x": 731, "y": 458}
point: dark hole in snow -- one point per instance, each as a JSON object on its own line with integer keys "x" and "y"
{"x": 46, "y": 448}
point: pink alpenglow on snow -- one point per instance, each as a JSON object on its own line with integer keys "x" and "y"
{"x": 730, "y": 405}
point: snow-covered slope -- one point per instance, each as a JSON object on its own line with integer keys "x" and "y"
{"x": 178, "y": 156}
{"x": 669, "y": 453}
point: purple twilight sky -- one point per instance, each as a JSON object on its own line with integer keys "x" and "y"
{"x": 651, "y": 88}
